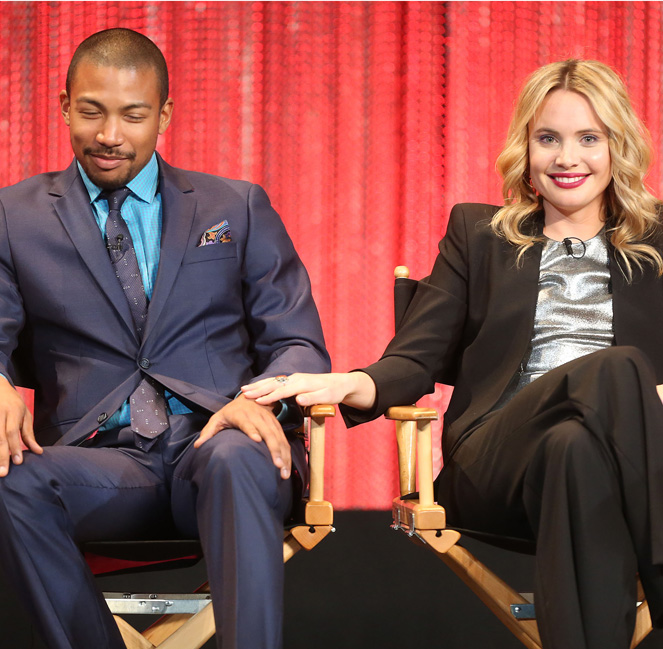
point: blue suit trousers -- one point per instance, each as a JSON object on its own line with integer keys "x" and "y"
{"x": 228, "y": 493}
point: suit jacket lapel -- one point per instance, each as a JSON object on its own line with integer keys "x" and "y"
{"x": 526, "y": 282}
{"x": 516, "y": 296}
{"x": 74, "y": 211}
{"x": 526, "y": 287}
{"x": 178, "y": 207}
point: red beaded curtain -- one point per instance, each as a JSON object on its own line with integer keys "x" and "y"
{"x": 365, "y": 122}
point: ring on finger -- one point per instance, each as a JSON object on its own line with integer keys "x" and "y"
{"x": 281, "y": 378}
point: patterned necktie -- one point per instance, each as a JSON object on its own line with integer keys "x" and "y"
{"x": 147, "y": 404}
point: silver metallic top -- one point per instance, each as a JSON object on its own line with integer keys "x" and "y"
{"x": 573, "y": 311}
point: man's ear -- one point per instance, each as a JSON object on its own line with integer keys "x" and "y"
{"x": 65, "y": 105}
{"x": 165, "y": 115}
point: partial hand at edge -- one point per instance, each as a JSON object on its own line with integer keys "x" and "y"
{"x": 355, "y": 389}
{"x": 257, "y": 422}
{"x": 15, "y": 426}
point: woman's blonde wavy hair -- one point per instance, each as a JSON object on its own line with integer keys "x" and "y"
{"x": 631, "y": 212}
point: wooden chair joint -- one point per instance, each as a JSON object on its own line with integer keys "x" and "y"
{"x": 319, "y": 513}
{"x": 308, "y": 536}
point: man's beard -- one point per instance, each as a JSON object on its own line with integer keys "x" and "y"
{"x": 98, "y": 177}
{"x": 111, "y": 184}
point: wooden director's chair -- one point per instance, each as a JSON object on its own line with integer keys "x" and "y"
{"x": 186, "y": 620}
{"x": 424, "y": 520}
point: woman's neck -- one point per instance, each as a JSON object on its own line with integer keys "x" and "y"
{"x": 558, "y": 226}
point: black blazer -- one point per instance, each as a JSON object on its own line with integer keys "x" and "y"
{"x": 470, "y": 323}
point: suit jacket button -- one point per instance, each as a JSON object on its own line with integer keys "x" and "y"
{"x": 144, "y": 363}
{"x": 102, "y": 418}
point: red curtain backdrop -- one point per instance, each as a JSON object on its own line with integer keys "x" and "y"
{"x": 365, "y": 122}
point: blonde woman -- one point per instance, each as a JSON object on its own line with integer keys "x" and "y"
{"x": 546, "y": 314}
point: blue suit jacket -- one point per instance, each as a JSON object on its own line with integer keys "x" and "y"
{"x": 220, "y": 316}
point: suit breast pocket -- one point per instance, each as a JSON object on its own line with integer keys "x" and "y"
{"x": 208, "y": 275}
{"x": 210, "y": 253}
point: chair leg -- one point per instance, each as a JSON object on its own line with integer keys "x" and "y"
{"x": 164, "y": 627}
{"x": 290, "y": 546}
{"x": 194, "y": 633}
{"x": 499, "y": 596}
{"x": 493, "y": 592}
{"x": 643, "y": 625}
{"x": 132, "y": 638}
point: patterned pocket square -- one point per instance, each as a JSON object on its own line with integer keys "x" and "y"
{"x": 219, "y": 233}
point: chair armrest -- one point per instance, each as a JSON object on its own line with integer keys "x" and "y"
{"x": 316, "y": 457}
{"x": 318, "y": 513}
{"x": 413, "y": 430}
{"x": 411, "y": 413}
{"x": 321, "y": 411}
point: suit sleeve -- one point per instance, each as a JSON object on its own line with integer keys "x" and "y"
{"x": 283, "y": 322}
{"x": 12, "y": 316}
{"x": 425, "y": 349}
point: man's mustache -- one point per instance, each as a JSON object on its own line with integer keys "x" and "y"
{"x": 111, "y": 154}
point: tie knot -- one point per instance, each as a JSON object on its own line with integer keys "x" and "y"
{"x": 116, "y": 197}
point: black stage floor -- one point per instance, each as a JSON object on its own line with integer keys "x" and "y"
{"x": 363, "y": 587}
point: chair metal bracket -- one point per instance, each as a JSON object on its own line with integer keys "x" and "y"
{"x": 156, "y": 604}
{"x": 412, "y": 515}
{"x": 425, "y": 523}
{"x": 523, "y": 611}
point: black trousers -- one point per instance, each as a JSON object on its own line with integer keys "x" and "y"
{"x": 228, "y": 493}
{"x": 574, "y": 461}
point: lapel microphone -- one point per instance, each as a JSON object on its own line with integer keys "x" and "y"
{"x": 568, "y": 244}
{"x": 117, "y": 246}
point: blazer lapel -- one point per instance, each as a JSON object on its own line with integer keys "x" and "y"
{"x": 178, "y": 207}
{"x": 519, "y": 283}
{"x": 517, "y": 296}
{"x": 513, "y": 290}
{"x": 526, "y": 282}
{"x": 75, "y": 213}
{"x": 526, "y": 287}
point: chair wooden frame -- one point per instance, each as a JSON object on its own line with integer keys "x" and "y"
{"x": 425, "y": 522}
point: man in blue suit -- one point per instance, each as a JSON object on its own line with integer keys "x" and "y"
{"x": 137, "y": 299}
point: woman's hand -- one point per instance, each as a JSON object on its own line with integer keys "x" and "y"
{"x": 659, "y": 389}
{"x": 355, "y": 389}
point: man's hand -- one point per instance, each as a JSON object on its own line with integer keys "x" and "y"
{"x": 15, "y": 426}
{"x": 256, "y": 421}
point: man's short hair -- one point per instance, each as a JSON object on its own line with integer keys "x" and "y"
{"x": 121, "y": 48}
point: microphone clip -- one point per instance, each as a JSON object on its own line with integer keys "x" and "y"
{"x": 118, "y": 245}
{"x": 568, "y": 244}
